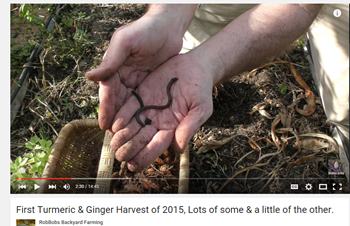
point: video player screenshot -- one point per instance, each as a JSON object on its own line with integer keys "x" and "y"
{"x": 269, "y": 132}
{"x": 114, "y": 101}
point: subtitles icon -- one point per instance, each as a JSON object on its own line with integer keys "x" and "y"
{"x": 323, "y": 187}
{"x": 294, "y": 186}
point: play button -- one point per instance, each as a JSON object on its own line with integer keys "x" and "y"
{"x": 36, "y": 187}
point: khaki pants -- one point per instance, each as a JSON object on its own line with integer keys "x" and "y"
{"x": 329, "y": 46}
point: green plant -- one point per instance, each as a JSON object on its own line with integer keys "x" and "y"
{"x": 31, "y": 164}
{"x": 283, "y": 88}
{"x": 80, "y": 36}
{"x": 19, "y": 54}
{"x": 27, "y": 12}
{"x": 300, "y": 42}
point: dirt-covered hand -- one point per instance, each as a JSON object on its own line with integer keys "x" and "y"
{"x": 191, "y": 106}
{"x": 134, "y": 51}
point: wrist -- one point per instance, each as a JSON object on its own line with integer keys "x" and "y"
{"x": 210, "y": 68}
{"x": 210, "y": 61}
{"x": 178, "y": 16}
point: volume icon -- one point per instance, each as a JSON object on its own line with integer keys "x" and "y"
{"x": 66, "y": 187}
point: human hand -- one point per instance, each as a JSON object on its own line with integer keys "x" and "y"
{"x": 191, "y": 106}
{"x": 135, "y": 50}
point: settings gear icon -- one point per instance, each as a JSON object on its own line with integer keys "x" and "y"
{"x": 308, "y": 186}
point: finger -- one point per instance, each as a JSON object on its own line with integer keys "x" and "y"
{"x": 117, "y": 52}
{"x": 124, "y": 135}
{"x": 125, "y": 114}
{"x": 189, "y": 125}
{"x": 128, "y": 150}
{"x": 112, "y": 94}
{"x": 159, "y": 143}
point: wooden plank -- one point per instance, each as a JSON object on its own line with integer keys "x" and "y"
{"x": 105, "y": 167}
{"x": 17, "y": 102}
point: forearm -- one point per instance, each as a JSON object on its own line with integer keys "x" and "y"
{"x": 178, "y": 15}
{"x": 254, "y": 37}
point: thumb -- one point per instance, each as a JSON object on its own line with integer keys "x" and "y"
{"x": 116, "y": 54}
{"x": 189, "y": 125}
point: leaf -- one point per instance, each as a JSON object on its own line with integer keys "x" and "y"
{"x": 41, "y": 155}
{"x": 313, "y": 144}
{"x": 18, "y": 160}
{"x": 265, "y": 114}
{"x": 13, "y": 167}
{"x": 310, "y": 98}
{"x": 37, "y": 147}
{"x": 260, "y": 107}
{"x": 214, "y": 144}
{"x": 38, "y": 164}
{"x": 29, "y": 145}
{"x": 274, "y": 137}
{"x": 283, "y": 88}
{"x": 254, "y": 145}
{"x": 23, "y": 162}
{"x": 22, "y": 170}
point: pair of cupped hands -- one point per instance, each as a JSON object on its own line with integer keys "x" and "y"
{"x": 144, "y": 56}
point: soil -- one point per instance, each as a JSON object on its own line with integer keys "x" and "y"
{"x": 233, "y": 152}
{"x": 159, "y": 177}
{"x": 214, "y": 168}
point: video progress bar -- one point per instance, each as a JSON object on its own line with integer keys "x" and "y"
{"x": 190, "y": 178}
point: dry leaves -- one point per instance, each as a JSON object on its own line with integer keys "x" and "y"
{"x": 310, "y": 107}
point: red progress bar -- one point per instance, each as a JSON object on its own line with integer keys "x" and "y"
{"x": 44, "y": 178}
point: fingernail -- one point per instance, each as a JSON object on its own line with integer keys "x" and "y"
{"x": 132, "y": 166}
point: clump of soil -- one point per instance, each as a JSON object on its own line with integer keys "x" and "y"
{"x": 159, "y": 177}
